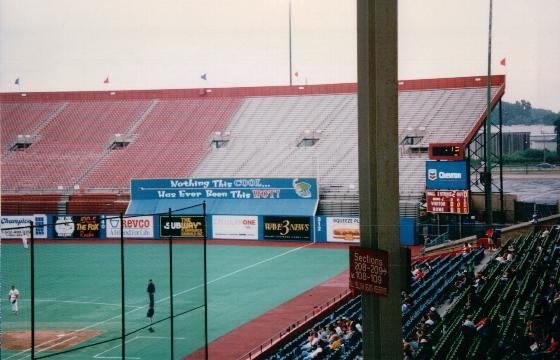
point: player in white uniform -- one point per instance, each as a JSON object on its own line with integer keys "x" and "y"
{"x": 13, "y": 297}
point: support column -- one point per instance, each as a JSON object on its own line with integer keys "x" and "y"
{"x": 378, "y": 169}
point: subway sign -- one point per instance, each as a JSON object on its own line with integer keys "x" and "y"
{"x": 446, "y": 175}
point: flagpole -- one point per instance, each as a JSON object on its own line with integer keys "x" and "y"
{"x": 488, "y": 129}
{"x": 290, "y": 37}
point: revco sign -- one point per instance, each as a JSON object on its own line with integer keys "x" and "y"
{"x": 446, "y": 175}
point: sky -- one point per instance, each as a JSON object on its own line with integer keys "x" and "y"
{"x": 68, "y": 45}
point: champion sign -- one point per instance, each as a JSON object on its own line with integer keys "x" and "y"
{"x": 16, "y": 227}
{"x": 446, "y": 175}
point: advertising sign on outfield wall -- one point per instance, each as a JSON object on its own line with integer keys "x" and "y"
{"x": 343, "y": 229}
{"x": 287, "y": 228}
{"x": 77, "y": 226}
{"x": 22, "y": 224}
{"x": 182, "y": 226}
{"x": 138, "y": 227}
{"x": 235, "y": 227}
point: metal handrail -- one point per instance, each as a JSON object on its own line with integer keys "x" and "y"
{"x": 440, "y": 239}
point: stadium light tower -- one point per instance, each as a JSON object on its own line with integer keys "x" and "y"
{"x": 488, "y": 130}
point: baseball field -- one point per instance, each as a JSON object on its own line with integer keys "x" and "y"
{"x": 78, "y": 294}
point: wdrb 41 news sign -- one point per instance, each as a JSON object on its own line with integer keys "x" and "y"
{"x": 446, "y": 175}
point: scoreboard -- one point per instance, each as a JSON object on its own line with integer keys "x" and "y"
{"x": 448, "y": 201}
{"x": 446, "y": 151}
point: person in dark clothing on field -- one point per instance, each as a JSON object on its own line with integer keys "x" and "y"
{"x": 151, "y": 291}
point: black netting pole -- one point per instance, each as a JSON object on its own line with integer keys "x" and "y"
{"x": 205, "y": 285}
{"x": 171, "y": 281}
{"x": 123, "y": 336}
{"x": 32, "y": 239}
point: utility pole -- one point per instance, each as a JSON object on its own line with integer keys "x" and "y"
{"x": 290, "y": 37}
{"x": 488, "y": 131}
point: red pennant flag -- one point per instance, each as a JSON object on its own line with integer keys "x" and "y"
{"x": 106, "y": 81}
{"x": 503, "y": 62}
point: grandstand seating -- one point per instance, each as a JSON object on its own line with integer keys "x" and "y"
{"x": 170, "y": 137}
{"x": 68, "y": 145}
{"x": 171, "y": 140}
{"x": 15, "y": 204}
{"x": 349, "y": 310}
{"x": 510, "y": 305}
{"x": 97, "y": 203}
{"x": 22, "y": 119}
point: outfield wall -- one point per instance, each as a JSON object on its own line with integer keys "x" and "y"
{"x": 321, "y": 229}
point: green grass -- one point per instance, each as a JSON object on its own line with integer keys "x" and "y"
{"x": 79, "y": 286}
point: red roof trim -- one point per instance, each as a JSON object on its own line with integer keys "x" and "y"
{"x": 405, "y": 85}
{"x": 480, "y": 121}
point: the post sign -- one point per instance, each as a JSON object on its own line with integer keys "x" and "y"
{"x": 182, "y": 226}
{"x": 446, "y": 175}
{"x": 448, "y": 201}
{"x": 369, "y": 270}
{"x": 287, "y": 228}
{"x": 78, "y": 226}
{"x": 135, "y": 227}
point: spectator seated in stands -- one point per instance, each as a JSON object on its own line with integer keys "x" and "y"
{"x": 504, "y": 278}
{"x": 406, "y": 305}
{"x": 434, "y": 314}
{"x": 479, "y": 281}
{"x": 314, "y": 352}
{"x": 458, "y": 285}
{"x": 407, "y": 352}
{"x": 501, "y": 259}
{"x": 335, "y": 343}
{"x": 323, "y": 333}
{"x": 419, "y": 275}
{"x": 426, "y": 349}
{"x": 312, "y": 340}
{"x": 509, "y": 257}
{"x": 550, "y": 291}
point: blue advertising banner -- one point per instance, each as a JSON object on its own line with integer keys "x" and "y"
{"x": 446, "y": 175}
{"x": 226, "y": 196}
{"x": 225, "y": 188}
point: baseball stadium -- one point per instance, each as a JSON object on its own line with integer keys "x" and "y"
{"x": 219, "y": 222}
{"x": 247, "y": 238}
